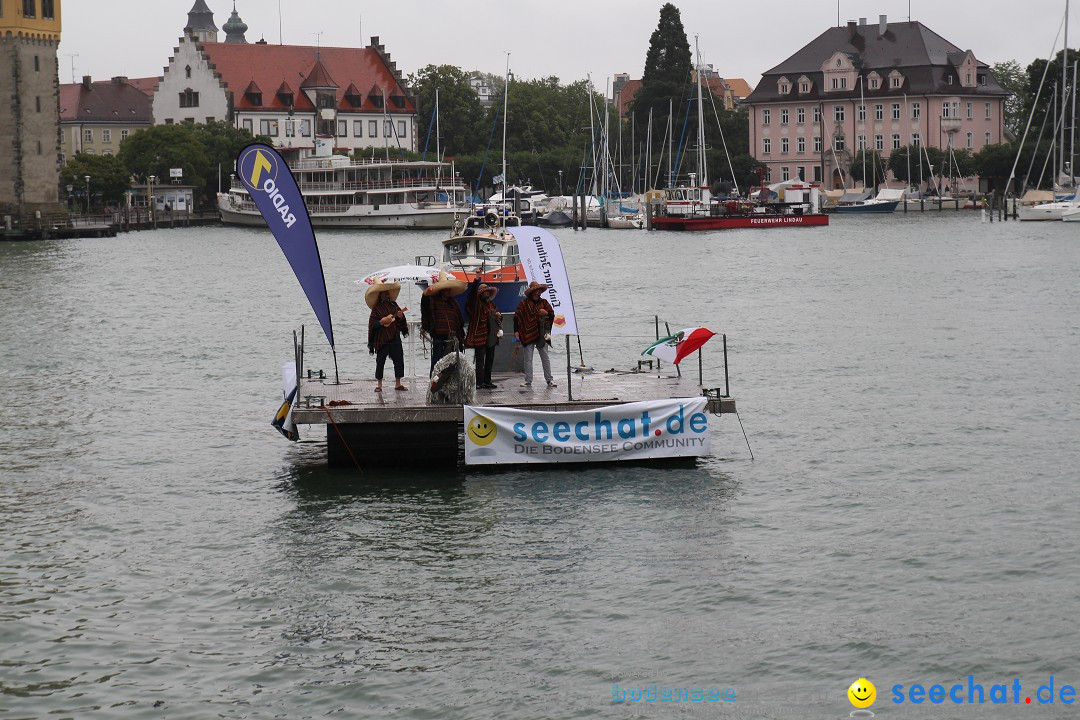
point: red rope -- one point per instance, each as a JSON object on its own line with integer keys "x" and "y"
{"x": 343, "y": 441}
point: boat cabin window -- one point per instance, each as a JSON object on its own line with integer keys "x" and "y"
{"x": 512, "y": 254}
{"x": 456, "y": 250}
{"x": 489, "y": 248}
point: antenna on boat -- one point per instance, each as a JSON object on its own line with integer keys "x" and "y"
{"x": 506, "y": 95}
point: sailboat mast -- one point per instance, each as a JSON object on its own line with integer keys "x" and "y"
{"x": 438, "y": 148}
{"x": 647, "y": 185}
{"x": 605, "y": 134}
{"x": 1064, "y": 82}
{"x": 506, "y": 105}
{"x": 594, "y": 189}
{"x": 670, "y": 143}
{"x": 1072, "y": 132}
{"x": 863, "y": 144}
{"x": 702, "y": 166}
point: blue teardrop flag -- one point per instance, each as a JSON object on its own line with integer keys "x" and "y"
{"x": 273, "y": 188}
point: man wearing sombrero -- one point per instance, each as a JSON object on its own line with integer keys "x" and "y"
{"x": 532, "y": 328}
{"x": 485, "y": 329}
{"x": 440, "y": 315}
{"x": 386, "y": 324}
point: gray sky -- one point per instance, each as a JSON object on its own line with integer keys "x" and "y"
{"x": 568, "y": 39}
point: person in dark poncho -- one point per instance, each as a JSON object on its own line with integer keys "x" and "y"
{"x": 532, "y": 328}
{"x": 386, "y": 325}
{"x": 485, "y": 329}
{"x": 440, "y": 316}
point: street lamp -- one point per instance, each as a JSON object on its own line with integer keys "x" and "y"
{"x": 560, "y": 182}
{"x": 87, "y": 194}
{"x": 150, "y": 195}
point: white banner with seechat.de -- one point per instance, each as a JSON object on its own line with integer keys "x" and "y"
{"x": 676, "y": 427}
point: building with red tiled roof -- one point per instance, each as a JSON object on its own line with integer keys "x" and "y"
{"x": 729, "y": 91}
{"x": 290, "y": 93}
{"x": 95, "y": 117}
{"x": 146, "y": 85}
{"x": 739, "y": 88}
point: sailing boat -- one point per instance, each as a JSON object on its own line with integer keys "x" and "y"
{"x": 1056, "y": 209}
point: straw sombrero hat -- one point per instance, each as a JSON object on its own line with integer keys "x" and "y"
{"x": 371, "y": 295}
{"x": 446, "y": 282}
{"x": 491, "y": 290}
{"x": 535, "y": 287}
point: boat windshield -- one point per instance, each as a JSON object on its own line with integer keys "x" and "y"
{"x": 476, "y": 250}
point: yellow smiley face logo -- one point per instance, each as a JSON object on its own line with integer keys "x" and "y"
{"x": 862, "y": 693}
{"x": 481, "y": 430}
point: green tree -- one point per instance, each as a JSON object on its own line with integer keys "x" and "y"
{"x": 995, "y": 163}
{"x": 222, "y": 142}
{"x": 547, "y": 131}
{"x": 727, "y": 134}
{"x": 668, "y": 72}
{"x": 1012, "y": 78}
{"x": 108, "y": 180}
{"x": 461, "y": 114}
{"x": 960, "y": 164}
{"x": 156, "y": 150}
{"x": 541, "y": 115}
{"x": 198, "y": 150}
{"x": 921, "y": 158}
{"x": 875, "y": 167}
{"x": 901, "y": 159}
{"x": 1040, "y": 112}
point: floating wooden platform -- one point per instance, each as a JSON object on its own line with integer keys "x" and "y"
{"x": 397, "y": 427}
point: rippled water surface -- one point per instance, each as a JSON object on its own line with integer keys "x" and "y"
{"x": 908, "y": 386}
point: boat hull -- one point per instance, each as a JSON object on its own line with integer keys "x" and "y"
{"x": 886, "y": 207}
{"x": 1040, "y": 213}
{"x": 426, "y": 218}
{"x": 509, "y": 281}
{"x": 729, "y": 222}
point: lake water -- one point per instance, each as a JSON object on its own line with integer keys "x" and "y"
{"x": 908, "y": 385}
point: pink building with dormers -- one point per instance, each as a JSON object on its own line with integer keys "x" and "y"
{"x": 882, "y": 87}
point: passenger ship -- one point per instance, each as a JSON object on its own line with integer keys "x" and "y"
{"x": 371, "y": 193}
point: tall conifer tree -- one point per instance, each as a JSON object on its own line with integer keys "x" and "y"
{"x": 668, "y": 74}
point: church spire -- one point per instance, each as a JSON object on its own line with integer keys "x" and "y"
{"x": 235, "y": 28}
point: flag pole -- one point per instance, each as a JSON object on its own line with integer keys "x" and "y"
{"x": 569, "y": 374}
{"x": 678, "y": 370}
{"x": 337, "y": 381}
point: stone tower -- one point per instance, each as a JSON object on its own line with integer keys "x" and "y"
{"x": 235, "y": 28}
{"x": 201, "y": 22}
{"x": 29, "y": 106}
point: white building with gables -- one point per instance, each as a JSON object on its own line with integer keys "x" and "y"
{"x": 291, "y": 93}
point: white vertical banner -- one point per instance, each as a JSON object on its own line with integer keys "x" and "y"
{"x": 542, "y": 258}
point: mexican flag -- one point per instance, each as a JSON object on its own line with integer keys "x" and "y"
{"x": 674, "y": 348}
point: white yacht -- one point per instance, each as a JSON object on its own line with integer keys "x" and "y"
{"x": 1046, "y": 211}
